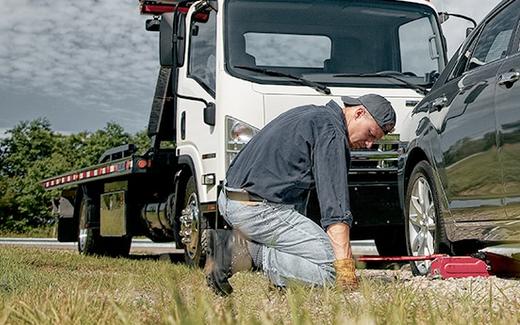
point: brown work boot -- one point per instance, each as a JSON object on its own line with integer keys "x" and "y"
{"x": 227, "y": 254}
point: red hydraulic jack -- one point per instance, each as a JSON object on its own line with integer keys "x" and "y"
{"x": 480, "y": 264}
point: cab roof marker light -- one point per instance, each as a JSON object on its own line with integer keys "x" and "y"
{"x": 159, "y": 7}
{"x": 150, "y": 9}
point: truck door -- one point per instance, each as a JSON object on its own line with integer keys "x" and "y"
{"x": 196, "y": 137}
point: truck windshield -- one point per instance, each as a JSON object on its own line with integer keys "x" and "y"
{"x": 332, "y": 41}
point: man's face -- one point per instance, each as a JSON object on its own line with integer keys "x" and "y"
{"x": 363, "y": 130}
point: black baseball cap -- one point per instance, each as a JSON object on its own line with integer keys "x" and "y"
{"x": 380, "y": 109}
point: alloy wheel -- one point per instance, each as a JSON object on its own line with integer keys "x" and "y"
{"x": 422, "y": 222}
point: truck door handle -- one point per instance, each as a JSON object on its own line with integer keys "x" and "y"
{"x": 439, "y": 102}
{"x": 508, "y": 79}
{"x": 183, "y": 125}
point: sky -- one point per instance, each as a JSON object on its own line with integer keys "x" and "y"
{"x": 84, "y": 63}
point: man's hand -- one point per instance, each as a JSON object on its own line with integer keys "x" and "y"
{"x": 345, "y": 266}
{"x": 346, "y": 273}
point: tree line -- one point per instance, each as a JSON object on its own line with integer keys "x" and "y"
{"x": 32, "y": 151}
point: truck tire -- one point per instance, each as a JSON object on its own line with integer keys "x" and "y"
{"x": 90, "y": 242}
{"x": 193, "y": 226}
{"x": 424, "y": 228}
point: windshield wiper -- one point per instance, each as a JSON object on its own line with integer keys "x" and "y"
{"x": 316, "y": 86}
{"x": 391, "y": 75}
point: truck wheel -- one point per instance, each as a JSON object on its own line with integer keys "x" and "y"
{"x": 425, "y": 233}
{"x": 89, "y": 240}
{"x": 193, "y": 226}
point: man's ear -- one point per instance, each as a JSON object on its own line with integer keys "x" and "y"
{"x": 359, "y": 112}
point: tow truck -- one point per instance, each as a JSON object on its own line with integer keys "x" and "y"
{"x": 227, "y": 68}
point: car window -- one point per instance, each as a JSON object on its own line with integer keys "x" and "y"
{"x": 494, "y": 40}
{"x": 202, "y": 60}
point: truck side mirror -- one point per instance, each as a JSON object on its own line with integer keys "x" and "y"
{"x": 166, "y": 40}
{"x": 209, "y": 114}
{"x": 152, "y": 25}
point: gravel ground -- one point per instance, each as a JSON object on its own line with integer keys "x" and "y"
{"x": 492, "y": 289}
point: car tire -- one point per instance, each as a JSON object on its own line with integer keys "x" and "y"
{"x": 193, "y": 226}
{"x": 424, "y": 228}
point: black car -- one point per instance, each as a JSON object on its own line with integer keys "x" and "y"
{"x": 459, "y": 172}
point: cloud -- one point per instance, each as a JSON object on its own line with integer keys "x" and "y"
{"x": 95, "y": 54}
{"x": 3, "y": 134}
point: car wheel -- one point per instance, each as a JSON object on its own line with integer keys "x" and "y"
{"x": 424, "y": 230}
{"x": 193, "y": 227}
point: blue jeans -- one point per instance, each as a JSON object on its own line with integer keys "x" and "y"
{"x": 294, "y": 247}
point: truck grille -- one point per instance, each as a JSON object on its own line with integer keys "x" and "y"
{"x": 381, "y": 157}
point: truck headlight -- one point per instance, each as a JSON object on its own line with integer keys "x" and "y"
{"x": 238, "y": 134}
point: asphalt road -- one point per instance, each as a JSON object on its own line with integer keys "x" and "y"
{"x": 146, "y": 246}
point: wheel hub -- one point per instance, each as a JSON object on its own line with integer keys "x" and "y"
{"x": 82, "y": 237}
{"x": 190, "y": 225}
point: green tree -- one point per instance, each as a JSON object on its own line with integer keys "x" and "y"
{"x": 32, "y": 152}
{"x": 21, "y": 199}
{"x": 26, "y": 143}
{"x": 142, "y": 141}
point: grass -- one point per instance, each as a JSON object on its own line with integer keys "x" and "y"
{"x": 39, "y": 286}
{"x": 40, "y": 232}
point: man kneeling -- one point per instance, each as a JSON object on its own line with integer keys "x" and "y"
{"x": 303, "y": 149}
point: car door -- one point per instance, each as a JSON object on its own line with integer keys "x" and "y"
{"x": 473, "y": 178}
{"x": 507, "y": 107}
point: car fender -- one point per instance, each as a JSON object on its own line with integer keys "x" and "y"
{"x": 424, "y": 144}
